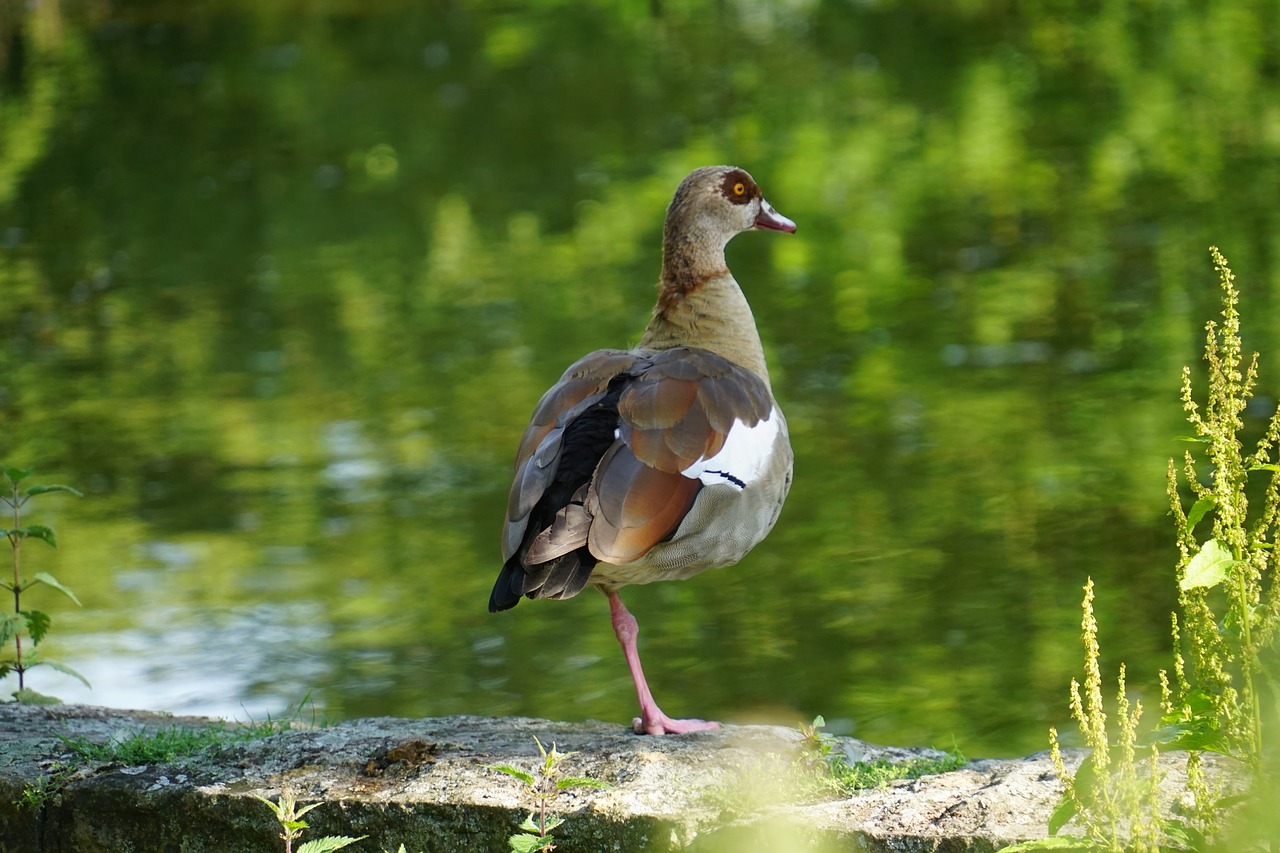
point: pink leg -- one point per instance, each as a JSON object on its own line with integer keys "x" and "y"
{"x": 651, "y": 720}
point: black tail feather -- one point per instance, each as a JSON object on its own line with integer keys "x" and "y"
{"x": 563, "y": 577}
{"x": 507, "y": 589}
{"x": 586, "y": 439}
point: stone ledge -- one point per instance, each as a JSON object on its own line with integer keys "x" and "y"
{"x": 427, "y": 784}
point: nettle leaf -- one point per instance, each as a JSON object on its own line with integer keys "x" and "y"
{"x": 44, "y": 490}
{"x": 526, "y": 843}
{"x": 1198, "y": 510}
{"x": 50, "y": 580}
{"x": 37, "y": 624}
{"x": 10, "y": 625}
{"x": 1194, "y": 439}
{"x": 1209, "y": 567}
{"x": 278, "y": 808}
{"x": 66, "y": 670}
{"x": 17, "y": 475}
{"x": 1264, "y": 467}
{"x": 300, "y": 812}
{"x": 332, "y": 842}
{"x": 39, "y": 531}
{"x": 522, "y": 775}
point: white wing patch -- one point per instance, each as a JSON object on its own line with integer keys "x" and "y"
{"x": 743, "y": 458}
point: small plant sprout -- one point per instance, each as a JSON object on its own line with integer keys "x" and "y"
{"x": 289, "y": 816}
{"x": 544, "y": 787}
{"x": 823, "y": 767}
{"x": 20, "y": 623}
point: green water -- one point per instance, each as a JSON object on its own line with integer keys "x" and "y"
{"x": 282, "y": 282}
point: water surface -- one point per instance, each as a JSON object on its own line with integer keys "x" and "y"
{"x": 282, "y": 283}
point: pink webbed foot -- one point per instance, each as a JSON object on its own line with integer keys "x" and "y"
{"x": 661, "y": 724}
{"x": 651, "y": 720}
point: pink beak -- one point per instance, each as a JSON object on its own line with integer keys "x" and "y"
{"x": 772, "y": 219}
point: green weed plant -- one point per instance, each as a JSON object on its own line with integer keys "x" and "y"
{"x": 24, "y": 623}
{"x": 289, "y": 815}
{"x": 1225, "y": 678}
{"x": 825, "y": 769}
{"x": 166, "y": 744}
{"x": 544, "y": 785}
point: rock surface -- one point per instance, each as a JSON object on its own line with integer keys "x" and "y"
{"x": 429, "y": 785}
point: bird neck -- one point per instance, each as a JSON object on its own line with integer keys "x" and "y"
{"x": 706, "y": 309}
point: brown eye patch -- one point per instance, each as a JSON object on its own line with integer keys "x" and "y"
{"x": 738, "y": 187}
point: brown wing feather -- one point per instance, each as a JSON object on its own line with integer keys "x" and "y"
{"x": 634, "y": 506}
{"x": 679, "y": 409}
{"x": 582, "y": 385}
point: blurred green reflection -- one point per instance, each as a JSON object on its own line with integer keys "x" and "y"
{"x": 282, "y": 282}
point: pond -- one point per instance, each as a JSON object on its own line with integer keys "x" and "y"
{"x": 281, "y": 284}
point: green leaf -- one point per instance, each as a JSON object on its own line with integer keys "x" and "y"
{"x": 1083, "y": 781}
{"x": 1198, "y": 510}
{"x": 579, "y": 782}
{"x": 63, "y": 668}
{"x": 530, "y": 825}
{"x": 27, "y": 696}
{"x": 39, "y": 531}
{"x": 331, "y": 842}
{"x": 37, "y": 624}
{"x": 50, "y": 580}
{"x": 1187, "y": 837}
{"x": 10, "y": 625}
{"x": 44, "y": 490}
{"x": 17, "y": 475}
{"x": 1197, "y": 735}
{"x": 1209, "y": 567}
{"x": 1063, "y": 812}
{"x": 1059, "y": 842}
{"x": 277, "y": 808}
{"x": 526, "y": 843}
{"x": 1264, "y": 467}
{"x": 300, "y": 812}
{"x": 1194, "y": 439}
{"x": 522, "y": 775}
{"x": 1225, "y": 803}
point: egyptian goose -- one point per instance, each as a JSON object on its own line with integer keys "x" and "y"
{"x": 658, "y": 462}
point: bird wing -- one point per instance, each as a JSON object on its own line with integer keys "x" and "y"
{"x": 538, "y": 459}
{"x": 614, "y": 457}
{"x": 680, "y": 412}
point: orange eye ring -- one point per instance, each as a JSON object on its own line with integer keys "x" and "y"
{"x": 739, "y": 188}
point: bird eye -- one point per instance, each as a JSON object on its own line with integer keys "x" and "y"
{"x": 739, "y": 188}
